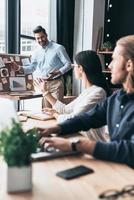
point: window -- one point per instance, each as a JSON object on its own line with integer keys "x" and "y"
{"x": 27, "y": 46}
{"x": 2, "y": 26}
{"x": 33, "y": 13}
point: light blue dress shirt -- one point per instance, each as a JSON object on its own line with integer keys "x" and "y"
{"x": 46, "y": 60}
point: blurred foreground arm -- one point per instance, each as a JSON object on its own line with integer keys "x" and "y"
{"x": 84, "y": 146}
{"x": 48, "y": 131}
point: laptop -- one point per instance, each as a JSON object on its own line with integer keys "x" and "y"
{"x": 8, "y": 112}
{"x": 52, "y": 153}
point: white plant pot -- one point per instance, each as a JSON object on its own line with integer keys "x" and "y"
{"x": 19, "y": 179}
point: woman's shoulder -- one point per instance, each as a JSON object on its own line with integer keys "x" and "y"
{"x": 99, "y": 92}
{"x": 95, "y": 92}
{"x": 96, "y": 88}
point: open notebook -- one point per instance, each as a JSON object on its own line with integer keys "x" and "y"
{"x": 35, "y": 115}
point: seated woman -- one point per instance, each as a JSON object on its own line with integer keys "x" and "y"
{"x": 88, "y": 69}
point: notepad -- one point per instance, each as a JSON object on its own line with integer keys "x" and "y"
{"x": 36, "y": 115}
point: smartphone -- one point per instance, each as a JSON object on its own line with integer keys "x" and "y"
{"x": 75, "y": 172}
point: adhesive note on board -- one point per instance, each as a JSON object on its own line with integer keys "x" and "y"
{"x": 1, "y": 63}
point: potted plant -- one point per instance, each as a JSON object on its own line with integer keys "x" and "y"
{"x": 17, "y": 146}
{"x": 107, "y": 46}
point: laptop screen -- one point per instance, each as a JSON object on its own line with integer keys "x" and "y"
{"x": 7, "y": 113}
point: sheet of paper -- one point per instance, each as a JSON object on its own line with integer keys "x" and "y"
{"x": 12, "y": 58}
{"x": 1, "y": 63}
{"x": 5, "y": 60}
{"x": 1, "y": 86}
{"x": 30, "y": 77}
{"x": 12, "y": 73}
{"x": 17, "y": 83}
{"x": 25, "y": 61}
{"x": 17, "y": 58}
{"x": 29, "y": 86}
{"x": 4, "y": 80}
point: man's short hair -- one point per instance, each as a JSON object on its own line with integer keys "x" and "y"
{"x": 39, "y": 29}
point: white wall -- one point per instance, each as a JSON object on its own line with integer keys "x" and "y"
{"x": 89, "y": 17}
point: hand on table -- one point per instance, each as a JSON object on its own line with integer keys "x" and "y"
{"x": 50, "y": 111}
{"x": 56, "y": 142}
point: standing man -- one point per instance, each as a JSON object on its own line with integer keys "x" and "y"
{"x": 117, "y": 112}
{"x": 51, "y": 62}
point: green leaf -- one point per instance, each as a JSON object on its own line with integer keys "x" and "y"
{"x": 16, "y": 146}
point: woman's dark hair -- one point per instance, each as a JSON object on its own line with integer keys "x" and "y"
{"x": 39, "y": 29}
{"x": 91, "y": 64}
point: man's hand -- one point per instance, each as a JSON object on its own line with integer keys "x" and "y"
{"x": 49, "y": 111}
{"x": 58, "y": 143}
{"x": 14, "y": 66}
{"x": 85, "y": 145}
{"x": 54, "y": 74}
